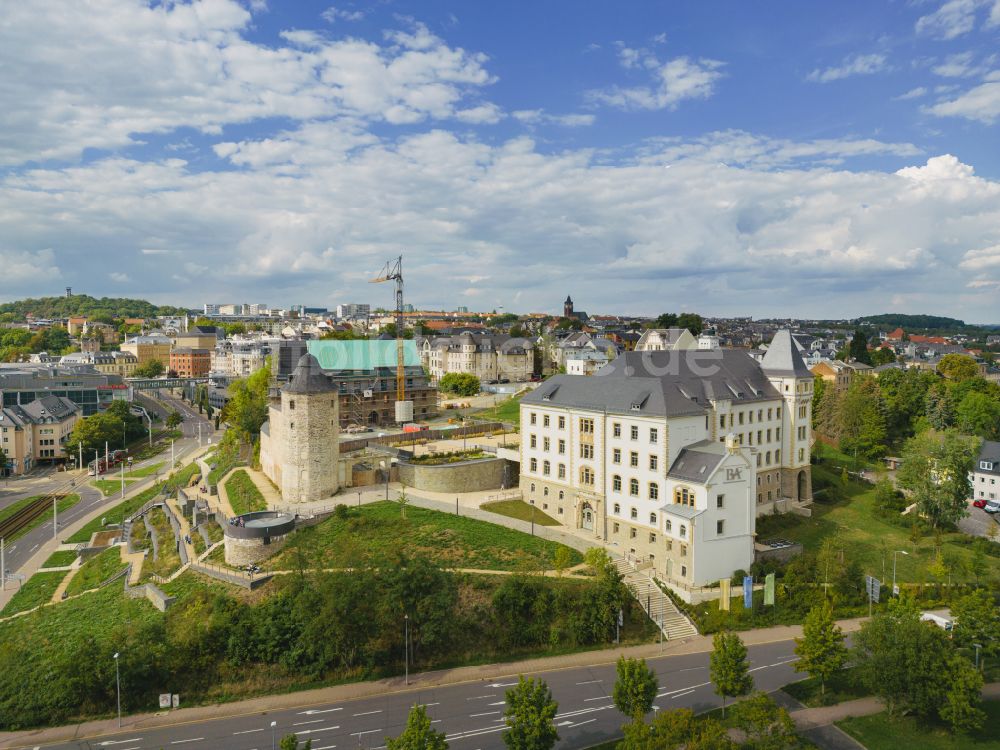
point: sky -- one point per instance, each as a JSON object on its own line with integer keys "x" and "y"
{"x": 772, "y": 159}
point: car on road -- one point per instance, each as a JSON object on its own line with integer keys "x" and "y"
{"x": 980, "y": 503}
{"x": 992, "y": 506}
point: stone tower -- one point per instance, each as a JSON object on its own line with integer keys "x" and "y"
{"x": 310, "y": 430}
{"x": 568, "y": 307}
{"x": 783, "y": 366}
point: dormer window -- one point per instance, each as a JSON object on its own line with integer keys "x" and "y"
{"x": 986, "y": 465}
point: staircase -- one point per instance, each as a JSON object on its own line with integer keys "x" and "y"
{"x": 654, "y": 602}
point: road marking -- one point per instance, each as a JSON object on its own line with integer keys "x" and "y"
{"x": 318, "y": 729}
{"x": 249, "y": 731}
{"x": 589, "y": 682}
{"x": 119, "y": 742}
{"x": 679, "y": 690}
{"x": 369, "y": 713}
{"x": 580, "y": 724}
{"x": 311, "y": 721}
{"x": 480, "y": 697}
{"x": 598, "y": 698}
{"x": 498, "y": 703}
{"x": 485, "y": 713}
{"x": 181, "y": 742}
{"x": 501, "y": 684}
{"x": 367, "y": 731}
{"x": 435, "y": 721}
{"x": 325, "y": 747}
{"x": 312, "y": 711}
{"x": 426, "y": 705}
{"x": 681, "y": 695}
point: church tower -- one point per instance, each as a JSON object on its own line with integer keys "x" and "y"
{"x": 310, "y": 428}
{"x": 568, "y": 307}
{"x": 784, "y": 367}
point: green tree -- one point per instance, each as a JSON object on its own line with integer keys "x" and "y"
{"x": 3, "y": 461}
{"x": 418, "y": 735}
{"x": 673, "y": 730}
{"x": 597, "y": 559}
{"x": 151, "y": 369}
{"x": 821, "y": 649}
{"x": 978, "y": 414}
{"x": 635, "y": 688}
{"x": 529, "y": 716}
{"x": 977, "y": 620}
{"x": 174, "y": 419}
{"x": 728, "y": 667}
{"x": 246, "y": 410}
{"x": 666, "y": 320}
{"x": 858, "y": 349}
{"x": 561, "y": 559}
{"x": 883, "y": 356}
{"x": 958, "y": 367}
{"x": 767, "y": 726}
{"x": 402, "y": 499}
{"x": 291, "y": 742}
{"x": 861, "y": 420}
{"x": 963, "y": 696}
{"x": 935, "y": 471}
{"x": 460, "y": 384}
{"x": 691, "y": 321}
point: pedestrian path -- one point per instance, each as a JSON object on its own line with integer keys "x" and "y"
{"x": 658, "y": 606}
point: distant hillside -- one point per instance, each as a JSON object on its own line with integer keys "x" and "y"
{"x": 897, "y": 320}
{"x": 81, "y": 304}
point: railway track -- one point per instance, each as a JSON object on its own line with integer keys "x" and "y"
{"x": 15, "y": 523}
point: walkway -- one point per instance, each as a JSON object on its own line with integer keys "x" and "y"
{"x": 658, "y": 606}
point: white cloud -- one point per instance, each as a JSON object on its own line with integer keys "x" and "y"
{"x": 332, "y": 14}
{"x": 156, "y": 69}
{"x": 914, "y": 93}
{"x": 977, "y": 260}
{"x": 541, "y": 117}
{"x": 853, "y": 65}
{"x": 119, "y": 278}
{"x": 675, "y": 81}
{"x": 483, "y": 114}
{"x": 963, "y": 64}
{"x": 980, "y": 103}
{"x": 24, "y": 266}
{"x": 955, "y": 18}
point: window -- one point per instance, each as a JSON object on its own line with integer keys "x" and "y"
{"x": 634, "y": 432}
{"x": 562, "y": 447}
{"x": 769, "y": 436}
{"x": 802, "y": 412}
{"x": 616, "y": 528}
{"x": 777, "y": 433}
{"x": 741, "y": 418}
{"x": 633, "y": 487}
{"x": 722, "y": 421}
{"x": 586, "y": 475}
{"x": 670, "y": 547}
{"x": 652, "y": 463}
{"x": 633, "y": 514}
{"x": 631, "y": 534}
{"x": 534, "y": 464}
{"x": 760, "y": 415}
{"x": 533, "y": 441}
{"x": 545, "y": 491}
{"x": 654, "y": 492}
{"x": 587, "y": 426}
{"x": 562, "y": 472}
{"x": 546, "y": 468}
{"x": 750, "y": 417}
{"x": 683, "y": 496}
{"x": 720, "y": 501}
{"x": 652, "y": 538}
{"x": 652, "y": 518}
{"x": 802, "y": 455}
{"x": 532, "y": 486}
{"x": 618, "y": 509}
{"x": 777, "y": 457}
{"x": 769, "y": 413}
{"x": 682, "y": 531}
{"x": 561, "y": 494}
{"x": 633, "y": 458}
{"x": 758, "y": 462}
{"x": 670, "y": 525}
{"x": 719, "y": 526}
{"x": 684, "y": 571}
{"x": 802, "y": 433}
{"x": 654, "y": 435}
{"x": 759, "y": 434}
{"x": 534, "y": 418}
{"x": 616, "y": 485}
{"x": 291, "y": 403}
{"x": 760, "y": 498}
{"x": 767, "y": 458}
{"x": 545, "y": 420}
{"x": 586, "y": 450}
{"x": 546, "y": 444}
{"x": 562, "y": 423}
{"x": 777, "y": 412}
{"x": 616, "y": 429}
{"x": 616, "y": 456}
{"x": 684, "y": 550}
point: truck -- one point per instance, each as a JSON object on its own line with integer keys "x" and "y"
{"x": 945, "y": 623}
{"x": 414, "y": 427}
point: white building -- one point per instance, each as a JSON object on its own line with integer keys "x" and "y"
{"x": 585, "y": 362}
{"x": 490, "y": 357}
{"x": 664, "y": 339}
{"x": 986, "y": 472}
{"x": 668, "y": 456}
{"x": 353, "y": 311}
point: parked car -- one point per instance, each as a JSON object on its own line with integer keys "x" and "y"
{"x": 980, "y": 503}
{"x": 992, "y": 506}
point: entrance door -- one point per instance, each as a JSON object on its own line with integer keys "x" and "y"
{"x": 588, "y": 517}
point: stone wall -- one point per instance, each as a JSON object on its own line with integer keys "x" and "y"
{"x": 464, "y": 476}
{"x": 241, "y": 552}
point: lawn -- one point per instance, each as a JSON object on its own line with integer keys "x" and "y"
{"x": 168, "y": 559}
{"x": 64, "y": 504}
{"x": 95, "y": 571}
{"x": 109, "y": 487}
{"x": 213, "y": 529}
{"x": 378, "y": 531}
{"x": 520, "y": 510}
{"x": 508, "y": 411}
{"x": 871, "y": 540}
{"x": 243, "y": 494}
{"x": 36, "y": 590}
{"x": 226, "y": 457}
{"x": 843, "y": 686}
{"x": 883, "y": 732}
{"x": 60, "y": 559}
{"x": 145, "y": 471}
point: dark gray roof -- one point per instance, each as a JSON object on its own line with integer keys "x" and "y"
{"x": 990, "y": 451}
{"x": 308, "y": 377}
{"x": 782, "y": 357}
{"x": 41, "y": 410}
{"x": 684, "y": 511}
{"x": 696, "y": 462}
{"x": 661, "y": 383}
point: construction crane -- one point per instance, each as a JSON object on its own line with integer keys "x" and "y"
{"x": 393, "y": 271}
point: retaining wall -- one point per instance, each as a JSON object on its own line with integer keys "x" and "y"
{"x": 463, "y": 476}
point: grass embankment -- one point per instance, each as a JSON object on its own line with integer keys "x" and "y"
{"x": 378, "y": 531}
{"x": 453, "y": 457}
{"x": 884, "y": 732}
{"x": 225, "y": 458}
{"x": 95, "y": 571}
{"x": 215, "y": 533}
{"x": 520, "y": 510}
{"x": 63, "y": 504}
{"x": 109, "y": 487}
{"x": 140, "y": 537}
{"x": 117, "y": 514}
{"x": 60, "y": 559}
{"x": 36, "y": 591}
{"x": 508, "y": 411}
{"x": 244, "y": 496}
{"x": 842, "y": 686}
{"x": 145, "y": 471}
{"x": 167, "y": 557}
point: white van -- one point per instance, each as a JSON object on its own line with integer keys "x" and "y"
{"x": 942, "y": 622}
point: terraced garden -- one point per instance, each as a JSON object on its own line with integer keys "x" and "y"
{"x": 60, "y": 559}
{"x": 244, "y": 496}
{"x": 36, "y": 591}
{"x": 168, "y": 559}
{"x": 95, "y": 571}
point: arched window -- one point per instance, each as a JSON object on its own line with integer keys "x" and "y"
{"x": 560, "y": 494}
{"x": 634, "y": 514}
{"x": 633, "y": 487}
{"x": 683, "y": 496}
{"x": 616, "y": 483}
{"x": 618, "y": 508}
{"x": 654, "y": 491}
{"x": 532, "y": 486}
{"x": 768, "y": 459}
{"x": 586, "y": 475}
{"x": 652, "y": 518}
{"x": 545, "y": 491}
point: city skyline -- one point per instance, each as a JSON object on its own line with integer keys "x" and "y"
{"x": 791, "y": 161}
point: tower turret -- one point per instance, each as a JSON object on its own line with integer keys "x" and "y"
{"x": 310, "y": 413}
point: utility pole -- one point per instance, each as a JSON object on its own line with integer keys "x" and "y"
{"x": 123, "y": 480}
{"x": 3, "y": 566}
{"x": 80, "y": 446}
{"x": 55, "y": 518}
{"x": 406, "y": 658}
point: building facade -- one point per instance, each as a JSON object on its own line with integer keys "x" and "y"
{"x": 36, "y": 432}
{"x": 490, "y": 357}
{"x": 122, "y": 364}
{"x": 986, "y": 472}
{"x": 664, "y": 339}
{"x": 92, "y": 391}
{"x": 147, "y": 348}
{"x": 190, "y": 363}
{"x": 669, "y": 456}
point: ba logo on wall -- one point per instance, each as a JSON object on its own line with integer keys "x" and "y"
{"x": 734, "y": 475}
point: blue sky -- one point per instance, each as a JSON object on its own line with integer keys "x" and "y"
{"x": 797, "y": 159}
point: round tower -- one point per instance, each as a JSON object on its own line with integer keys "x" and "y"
{"x": 310, "y": 413}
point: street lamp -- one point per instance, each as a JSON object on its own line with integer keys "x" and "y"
{"x": 273, "y": 725}
{"x": 894, "y": 593}
{"x": 977, "y": 646}
{"x": 118, "y": 686}
{"x": 406, "y": 657}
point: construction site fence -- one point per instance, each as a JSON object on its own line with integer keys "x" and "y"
{"x": 403, "y": 438}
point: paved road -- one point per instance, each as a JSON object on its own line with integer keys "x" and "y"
{"x": 470, "y": 714}
{"x": 978, "y": 522}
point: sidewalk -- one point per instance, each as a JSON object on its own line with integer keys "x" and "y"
{"x": 419, "y": 681}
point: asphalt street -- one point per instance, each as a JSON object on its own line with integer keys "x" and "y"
{"x": 470, "y": 714}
